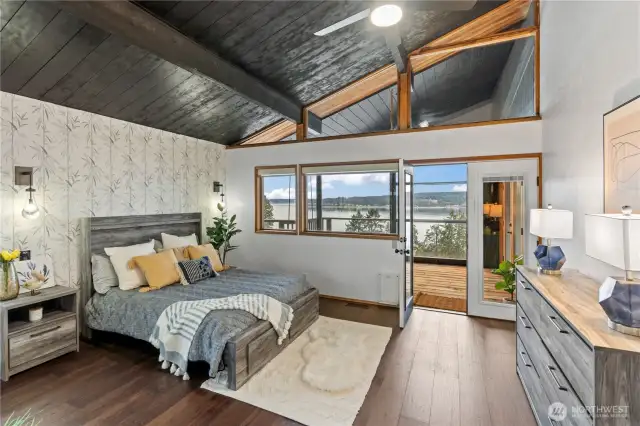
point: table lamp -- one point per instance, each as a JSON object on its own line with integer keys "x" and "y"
{"x": 550, "y": 224}
{"x": 615, "y": 239}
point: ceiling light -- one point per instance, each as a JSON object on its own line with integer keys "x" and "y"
{"x": 386, "y": 15}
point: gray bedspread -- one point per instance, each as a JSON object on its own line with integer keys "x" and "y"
{"x": 134, "y": 314}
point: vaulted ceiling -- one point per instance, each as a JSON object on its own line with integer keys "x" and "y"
{"x": 50, "y": 53}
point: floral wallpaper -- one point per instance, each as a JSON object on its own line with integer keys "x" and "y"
{"x": 90, "y": 165}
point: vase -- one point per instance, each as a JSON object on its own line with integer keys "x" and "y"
{"x": 9, "y": 287}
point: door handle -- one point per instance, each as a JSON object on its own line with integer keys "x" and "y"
{"x": 551, "y": 369}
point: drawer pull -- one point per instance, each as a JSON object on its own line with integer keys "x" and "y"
{"x": 551, "y": 369}
{"x": 523, "y": 320}
{"x": 555, "y": 323}
{"x": 40, "y": 333}
{"x": 523, "y": 285}
{"x": 523, "y": 354}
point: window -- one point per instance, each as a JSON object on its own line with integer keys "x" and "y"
{"x": 276, "y": 209}
{"x": 351, "y": 199}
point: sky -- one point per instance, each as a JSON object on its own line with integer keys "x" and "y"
{"x": 363, "y": 184}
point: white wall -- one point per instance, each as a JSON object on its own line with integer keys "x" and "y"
{"x": 590, "y": 63}
{"x": 348, "y": 267}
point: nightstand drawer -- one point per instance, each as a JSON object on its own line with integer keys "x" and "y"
{"x": 570, "y": 352}
{"x": 41, "y": 341}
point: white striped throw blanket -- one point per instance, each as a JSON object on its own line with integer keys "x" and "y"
{"x": 179, "y": 322}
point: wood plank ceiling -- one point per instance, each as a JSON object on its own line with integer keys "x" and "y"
{"x": 49, "y": 54}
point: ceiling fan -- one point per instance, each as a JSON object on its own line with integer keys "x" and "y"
{"x": 387, "y": 14}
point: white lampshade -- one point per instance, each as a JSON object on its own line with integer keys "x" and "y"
{"x": 551, "y": 223}
{"x": 614, "y": 239}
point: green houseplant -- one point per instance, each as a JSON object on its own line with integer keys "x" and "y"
{"x": 507, "y": 270}
{"x": 223, "y": 230}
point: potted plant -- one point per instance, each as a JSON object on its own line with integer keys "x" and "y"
{"x": 9, "y": 287}
{"x": 507, "y": 270}
{"x": 220, "y": 234}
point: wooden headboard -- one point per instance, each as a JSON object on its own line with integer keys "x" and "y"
{"x": 118, "y": 231}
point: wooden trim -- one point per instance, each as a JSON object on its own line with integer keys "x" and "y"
{"x": 258, "y": 193}
{"x": 502, "y": 37}
{"x": 300, "y": 132}
{"x": 394, "y": 132}
{"x": 350, "y": 235}
{"x": 349, "y": 163}
{"x": 475, "y": 159}
{"x": 272, "y": 133}
{"x": 536, "y": 65}
{"x": 404, "y": 101}
{"x": 357, "y": 301}
{"x": 500, "y": 18}
{"x": 305, "y": 123}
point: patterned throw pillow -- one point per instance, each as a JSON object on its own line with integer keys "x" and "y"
{"x": 192, "y": 271}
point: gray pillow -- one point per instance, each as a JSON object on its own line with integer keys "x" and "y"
{"x": 104, "y": 276}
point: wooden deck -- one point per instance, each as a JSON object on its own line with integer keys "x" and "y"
{"x": 445, "y": 287}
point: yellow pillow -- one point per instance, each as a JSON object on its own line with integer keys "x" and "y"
{"x": 180, "y": 252}
{"x": 196, "y": 252}
{"x": 159, "y": 269}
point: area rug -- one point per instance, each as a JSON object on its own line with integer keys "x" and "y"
{"x": 322, "y": 378}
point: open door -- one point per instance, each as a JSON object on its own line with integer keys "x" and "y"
{"x": 501, "y": 193}
{"x": 404, "y": 247}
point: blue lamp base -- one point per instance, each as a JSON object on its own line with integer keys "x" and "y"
{"x": 550, "y": 259}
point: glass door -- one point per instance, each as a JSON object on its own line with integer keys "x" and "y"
{"x": 501, "y": 193}
{"x": 405, "y": 246}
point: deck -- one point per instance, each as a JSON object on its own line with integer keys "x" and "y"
{"x": 445, "y": 287}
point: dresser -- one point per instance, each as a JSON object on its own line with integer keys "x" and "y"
{"x": 574, "y": 369}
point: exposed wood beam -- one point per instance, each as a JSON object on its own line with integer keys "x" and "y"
{"x": 485, "y": 41}
{"x": 491, "y": 23}
{"x": 404, "y": 101}
{"x": 143, "y": 29}
{"x": 273, "y": 133}
{"x": 356, "y": 91}
{"x": 487, "y": 25}
{"x": 300, "y": 132}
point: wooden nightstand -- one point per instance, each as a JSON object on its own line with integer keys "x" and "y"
{"x": 25, "y": 344}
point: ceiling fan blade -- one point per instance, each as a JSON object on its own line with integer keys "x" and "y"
{"x": 341, "y": 24}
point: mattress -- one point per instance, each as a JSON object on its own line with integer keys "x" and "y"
{"x": 134, "y": 314}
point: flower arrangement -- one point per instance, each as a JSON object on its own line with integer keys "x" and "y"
{"x": 9, "y": 289}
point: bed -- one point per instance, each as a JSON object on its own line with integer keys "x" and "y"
{"x": 233, "y": 340}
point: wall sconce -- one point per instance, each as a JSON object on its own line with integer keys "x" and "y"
{"x": 24, "y": 176}
{"x": 217, "y": 187}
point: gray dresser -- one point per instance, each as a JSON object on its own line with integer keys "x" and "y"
{"x": 569, "y": 359}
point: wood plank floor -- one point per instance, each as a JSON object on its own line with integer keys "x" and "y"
{"x": 443, "y": 369}
{"x": 445, "y": 286}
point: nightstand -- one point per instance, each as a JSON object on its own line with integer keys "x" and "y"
{"x": 25, "y": 344}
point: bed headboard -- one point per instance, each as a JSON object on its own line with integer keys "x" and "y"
{"x": 117, "y": 231}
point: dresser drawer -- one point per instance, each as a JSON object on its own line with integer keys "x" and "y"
{"x": 532, "y": 384}
{"x": 569, "y": 351}
{"x": 41, "y": 341}
{"x": 529, "y": 299}
{"x": 555, "y": 384}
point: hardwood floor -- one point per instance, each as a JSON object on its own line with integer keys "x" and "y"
{"x": 443, "y": 369}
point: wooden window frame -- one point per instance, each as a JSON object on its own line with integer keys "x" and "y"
{"x": 259, "y": 194}
{"x": 304, "y": 201}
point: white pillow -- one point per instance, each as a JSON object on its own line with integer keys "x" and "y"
{"x": 172, "y": 241}
{"x": 128, "y": 279}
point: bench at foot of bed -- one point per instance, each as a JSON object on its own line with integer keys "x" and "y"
{"x": 248, "y": 352}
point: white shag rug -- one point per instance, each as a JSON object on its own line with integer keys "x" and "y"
{"x": 322, "y": 378}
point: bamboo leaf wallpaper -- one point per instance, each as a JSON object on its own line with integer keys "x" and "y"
{"x": 90, "y": 165}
